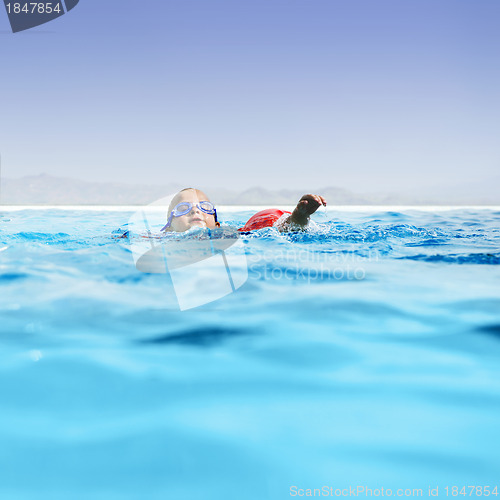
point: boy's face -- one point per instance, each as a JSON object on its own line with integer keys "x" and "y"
{"x": 195, "y": 218}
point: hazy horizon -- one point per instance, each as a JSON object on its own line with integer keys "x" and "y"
{"x": 48, "y": 189}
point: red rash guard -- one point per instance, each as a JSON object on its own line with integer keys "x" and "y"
{"x": 264, "y": 218}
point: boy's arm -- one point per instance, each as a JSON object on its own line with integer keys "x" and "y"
{"x": 299, "y": 218}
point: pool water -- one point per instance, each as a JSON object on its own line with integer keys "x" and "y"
{"x": 362, "y": 353}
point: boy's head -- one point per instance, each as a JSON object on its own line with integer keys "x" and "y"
{"x": 190, "y": 208}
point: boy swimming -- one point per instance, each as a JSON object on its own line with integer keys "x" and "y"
{"x": 192, "y": 208}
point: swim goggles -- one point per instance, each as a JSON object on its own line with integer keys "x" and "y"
{"x": 184, "y": 207}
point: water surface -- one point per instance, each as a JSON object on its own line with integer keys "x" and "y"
{"x": 363, "y": 352}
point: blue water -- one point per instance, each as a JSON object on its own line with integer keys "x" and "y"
{"x": 364, "y": 352}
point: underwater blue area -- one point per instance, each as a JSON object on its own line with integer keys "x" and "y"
{"x": 363, "y": 352}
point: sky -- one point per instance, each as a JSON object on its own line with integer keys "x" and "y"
{"x": 367, "y": 95}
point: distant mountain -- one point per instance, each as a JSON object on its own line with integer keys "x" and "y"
{"x": 262, "y": 196}
{"x": 45, "y": 189}
{"x": 48, "y": 190}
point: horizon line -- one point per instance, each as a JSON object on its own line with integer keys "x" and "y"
{"x": 235, "y": 208}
